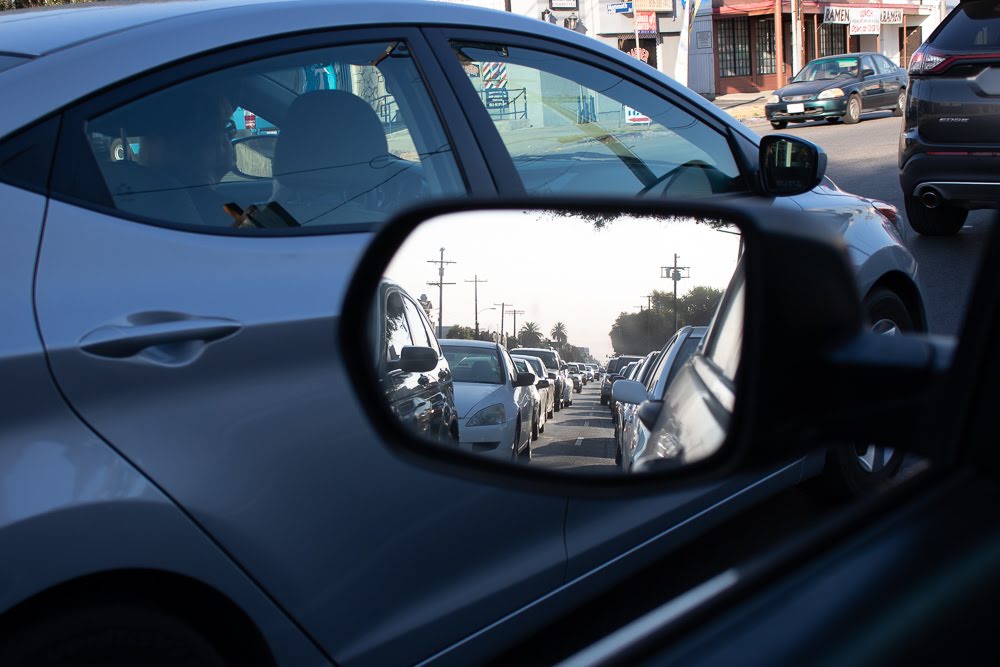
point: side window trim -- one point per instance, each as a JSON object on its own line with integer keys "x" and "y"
{"x": 76, "y": 186}
{"x": 479, "y": 118}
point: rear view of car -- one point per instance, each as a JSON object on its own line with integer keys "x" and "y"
{"x": 949, "y": 151}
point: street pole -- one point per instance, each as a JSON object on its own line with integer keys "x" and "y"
{"x": 475, "y": 297}
{"x": 779, "y": 51}
{"x": 503, "y": 309}
{"x": 440, "y": 285}
{"x": 674, "y": 273}
{"x": 515, "y": 313}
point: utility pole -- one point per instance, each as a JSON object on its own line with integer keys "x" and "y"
{"x": 674, "y": 273}
{"x": 515, "y": 313}
{"x": 779, "y": 50}
{"x": 440, "y": 285}
{"x": 475, "y": 287}
{"x": 649, "y": 310}
{"x": 503, "y": 309}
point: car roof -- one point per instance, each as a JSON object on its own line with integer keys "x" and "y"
{"x": 847, "y": 55}
{"x": 446, "y": 342}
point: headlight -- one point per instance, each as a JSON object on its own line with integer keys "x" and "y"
{"x": 491, "y": 416}
{"x": 773, "y": 99}
{"x": 831, "y": 93}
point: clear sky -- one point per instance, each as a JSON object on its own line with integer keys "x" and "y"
{"x": 557, "y": 269}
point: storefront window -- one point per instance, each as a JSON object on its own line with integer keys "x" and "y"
{"x": 734, "y": 46}
{"x": 832, "y": 39}
{"x": 765, "y": 60}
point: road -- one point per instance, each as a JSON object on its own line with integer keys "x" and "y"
{"x": 862, "y": 160}
{"x": 580, "y": 436}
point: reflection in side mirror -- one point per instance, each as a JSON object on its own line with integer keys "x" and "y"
{"x": 413, "y": 359}
{"x": 254, "y": 155}
{"x": 789, "y": 165}
{"x": 537, "y": 420}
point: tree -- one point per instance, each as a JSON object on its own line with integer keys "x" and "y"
{"x": 460, "y": 332}
{"x": 530, "y": 335}
{"x": 699, "y": 305}
{"x": 558, "y": 333}
{"x": 642, "y": 332}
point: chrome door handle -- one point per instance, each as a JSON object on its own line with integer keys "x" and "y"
{"x": 118, "y": 341}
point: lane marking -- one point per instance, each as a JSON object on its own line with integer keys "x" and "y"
{"x": 586, "y": 424}
{"x": 578, "y": 441}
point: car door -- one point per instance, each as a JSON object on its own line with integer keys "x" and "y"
{"x": 571, "y": 122}
{"x": 893, "y": 80}
{"x": 872, "y": 89}
{"x": 207, "y": 354}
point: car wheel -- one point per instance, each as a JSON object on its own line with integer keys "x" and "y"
{"x": 618, "y": 455}
{"x": 900, "y": 103}
{"x": 534, "y": 427}
{"x": 945, "y": 220}
{"x": 558, "y": 405}
{"x": 853, "y": 113}
{"x": 113, "y": 634}
{"x": 856, "y": 470}
{"x": 779, "y": 124}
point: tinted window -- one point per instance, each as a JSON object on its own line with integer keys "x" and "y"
{"x": 326, "y": 137}
{"x": 725, "y": 343}
{"x": 688, "y": 348}
{"x": 547, "y": 356}
{"x": 571, "y": 127}
{"x": 474, "y": 364}
{"x": 416, "y": 324}
{"x": 885, "y": 66}
{"x": 868, "y": 63}
{"x": 828, "y": 69}
{"x": 397, "y": 331}
{"x": 972, "y": 26}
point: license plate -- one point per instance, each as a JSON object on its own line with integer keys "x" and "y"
{"x": 796, "y": 108}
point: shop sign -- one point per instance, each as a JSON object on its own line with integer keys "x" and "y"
{"x": 840, "y": 15}
{"x": 645, "y": 21}
{"x": 891, "y": 16}
{"x": 865, "y": 21}
{"x": 633, "y": 117}
{"x": 619, "y": 7}
{"x": 653, "y": 6}
{"x": 703, "y": 39}
{"x": 564, "y": 5}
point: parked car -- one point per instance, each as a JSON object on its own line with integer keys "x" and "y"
{"x": 495, "y": 403}
{"x": 553, "y": 369}
{"x": 625, "y": 412}
{"x": 627, "y": 373}
{"x": 949, "y": 151}
{"x": 612, "y": 373}
{"x": 677, "y": 350}
{"x": 837, "y": 88}
{"x": 415, "y": 375}
{"x": 541, "y": 394}
{"x": 170, "y": 373}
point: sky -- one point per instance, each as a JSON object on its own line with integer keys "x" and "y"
{"x": 557, "y": 268}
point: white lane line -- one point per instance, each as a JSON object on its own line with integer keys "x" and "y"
{"x": 578, "y": 441}
{"x": 586, "y": 424}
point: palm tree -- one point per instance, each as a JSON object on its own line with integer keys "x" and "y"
{"x": 530, "y": 334}
{"x": 559, "y": 333}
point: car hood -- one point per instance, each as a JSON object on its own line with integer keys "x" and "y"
{"x": 813, "y": 87}
{"x": 468, "y": 395}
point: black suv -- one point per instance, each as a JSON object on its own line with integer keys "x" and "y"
{"x": 949, "y": 150}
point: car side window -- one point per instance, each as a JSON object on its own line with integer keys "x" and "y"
{"x": 320, "y": 138}
{"x": 397, "y": 331}
{"x": 884, "y": 65}
{"x": 572, "y": 127}
{"x": 724, "y": 345}
{"x": 509, "y": 363}
{"x": 654, "y": 376}
{"x": 868, "y": 63}
{"x": 416, "y": 324}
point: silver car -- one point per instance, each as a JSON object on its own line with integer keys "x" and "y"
{"x": 187, "y": 188}
{"x": 546, "y": 387}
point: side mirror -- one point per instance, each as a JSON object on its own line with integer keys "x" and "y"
{"x": 629, "y": 391}
{"x": 789, "y": 165}
{"x": 542, "y": 384}
{"x": 867, "y": 72}
{"x": 524, "y": 380}
{"x": 415, "y": 359}
{"x": 255, "y": 155}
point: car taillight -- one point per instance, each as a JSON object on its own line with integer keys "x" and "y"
{"x": 926, "y": 60}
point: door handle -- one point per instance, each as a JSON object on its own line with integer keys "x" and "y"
{"x": 118, "y": 341}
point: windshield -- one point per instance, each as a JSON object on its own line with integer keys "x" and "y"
{"x": 828, "y": 69}
{"x": 470, "y": 364}
{"x": 547, "y": 356}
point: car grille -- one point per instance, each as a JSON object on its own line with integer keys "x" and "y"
{"x": 796, "y": 98}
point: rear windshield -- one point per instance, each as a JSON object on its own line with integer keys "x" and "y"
{"x": 972, "y": 26}
{"x": 547, "y": 356}
{"x": 472, "y": 364}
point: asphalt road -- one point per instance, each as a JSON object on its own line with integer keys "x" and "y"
{"x": 862, "y": 160}
{"x": 580, "y": 436}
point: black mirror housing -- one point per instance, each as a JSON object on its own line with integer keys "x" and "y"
{"x": 542, "y": 384}
{"x": 789, "y": 165}
{"x": 414, "y": 359}
{"x": 524, "y": 380}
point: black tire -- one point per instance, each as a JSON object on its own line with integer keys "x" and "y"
{"x": 110, "y": 635}
{"x": 853, "y": 112}
{"x": 945, "y": 220}
{"x": 534, "y": 428}
{"x": 900, "y": 103}
{"x": 856, "y": 470}
{"x": 779, "y": 124}
{"x": 832, "y": 120}
{"x": 604, "y": 401}
{"x": 550, "y": 414}
{"x": 618, "y": 455}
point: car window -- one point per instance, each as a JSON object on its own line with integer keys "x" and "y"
{"x": 572, "y": 127}
{"x": 884, "y": 65}
{"x": 397, "y": 331}
{"x": 416, "y": 324}
{"x": 724, "y": 344}
{"x": 521, "y": 366}
{"x": 972, "y": 26}
{"x": 654, "y": 375}
{"x": 325, "y": 137}
{"x": 509, "y": 364}
{"x": 828, "y": 69}
{"x": 868, "y": 63}
{"x": 480, "y": 365}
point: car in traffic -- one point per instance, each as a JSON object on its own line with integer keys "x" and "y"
{"x": 949, "y": 148}
{"x": 624, "y": 413}
{"x": 539, "y": 395}
{"x": 495, "y": 402}
{"x": 575, "y": 377}
{"x": 612, "y": 373}
{"x": 169, "y": 357}
{"x": 553, "y": 369}
{"x": 681, "y": 346}
{"x": 841, "y": 87}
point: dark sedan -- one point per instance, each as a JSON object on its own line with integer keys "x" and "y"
{"x": 839, "y": 87}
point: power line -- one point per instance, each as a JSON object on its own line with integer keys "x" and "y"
{"x": 440, "y": 285}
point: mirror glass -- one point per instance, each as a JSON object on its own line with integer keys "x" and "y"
{"x": 789, "y": 166}
{"x": 504, "y": 334}
{"x": 254, "y": 155}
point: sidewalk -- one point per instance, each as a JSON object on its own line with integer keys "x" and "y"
{"x": 746, "y": 107}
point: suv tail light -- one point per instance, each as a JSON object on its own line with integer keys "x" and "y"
{"x": 928, "y": 60}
